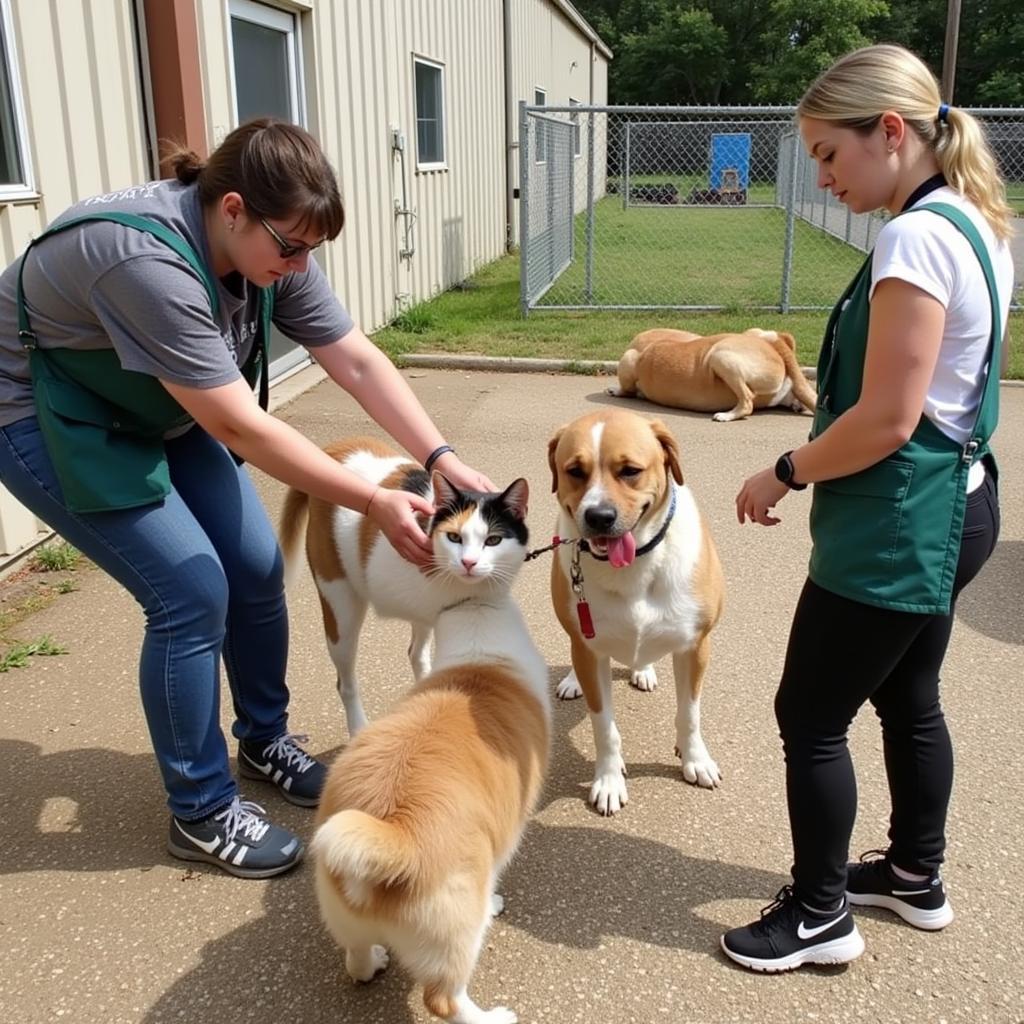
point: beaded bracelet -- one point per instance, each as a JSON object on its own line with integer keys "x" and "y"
{"x": 436, "y": 454}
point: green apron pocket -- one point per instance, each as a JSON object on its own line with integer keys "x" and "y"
{"x": 856, "y": 525}
{"x": 100, "y": 461}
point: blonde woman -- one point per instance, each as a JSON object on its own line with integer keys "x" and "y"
{"x": 905, "y": 506}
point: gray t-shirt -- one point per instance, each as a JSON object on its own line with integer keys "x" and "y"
{"x": 103, "y": 285}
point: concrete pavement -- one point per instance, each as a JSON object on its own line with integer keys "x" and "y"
{"x": 607, "y": 920}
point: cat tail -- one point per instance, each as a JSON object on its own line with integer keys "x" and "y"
{"x": 290, "y": 529}
{"x": 363, "y": 852}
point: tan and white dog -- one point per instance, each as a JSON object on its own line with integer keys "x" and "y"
{"x": 650, "y": 579}
{"x": 729, "y": 375}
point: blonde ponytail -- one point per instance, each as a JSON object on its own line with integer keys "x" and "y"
{"x": 967, "y": 162}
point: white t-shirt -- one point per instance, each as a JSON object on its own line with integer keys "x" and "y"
{"x": 926, "y": 250}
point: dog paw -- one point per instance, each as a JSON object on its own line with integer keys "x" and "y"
{"x": 365, "y": 964}
{"x": 644, "y": 679}
{"x": 569, "y": 688}
{"x": 699, "y": 769}
{"x": 497, "y": 904}
{"x": 724, "y": 417}
{"x": 608, "y": 793}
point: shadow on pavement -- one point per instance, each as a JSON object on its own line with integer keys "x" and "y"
{"x": 992, "y": 604}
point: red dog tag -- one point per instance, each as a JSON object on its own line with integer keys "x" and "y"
{"x": 586, "y": 622}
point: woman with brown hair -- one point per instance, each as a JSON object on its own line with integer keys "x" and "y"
{"x": 133, "y": 333}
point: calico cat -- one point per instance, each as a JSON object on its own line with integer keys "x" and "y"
{"x": 425, "y": 807}
{"x": 479, "y": 543}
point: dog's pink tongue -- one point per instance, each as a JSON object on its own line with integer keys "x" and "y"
{"x": 621, "y": 550}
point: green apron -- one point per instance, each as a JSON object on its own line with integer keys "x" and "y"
{"x": 890, "y": 535}
{"x": 104, "y": 425}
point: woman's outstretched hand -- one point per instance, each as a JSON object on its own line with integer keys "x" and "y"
{"x": 395, "y": 513}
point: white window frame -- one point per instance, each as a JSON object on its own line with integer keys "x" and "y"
{"x": 285, "y": 21}
{"x": 577, "y": 130}
{"x": 442, "y": 164}
{"x": 25, "y": 189}
{"x": 540, "y": 99}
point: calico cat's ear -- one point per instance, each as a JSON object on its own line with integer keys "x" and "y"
{"x": 445, "y": 492}
{"x": 516, "y": 497}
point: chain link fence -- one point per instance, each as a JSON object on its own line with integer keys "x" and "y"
{"x": 695, "y": 208}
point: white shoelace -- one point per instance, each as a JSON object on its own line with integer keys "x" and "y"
{"x": 285, "y": 746}
{"x": 244, "y": 815}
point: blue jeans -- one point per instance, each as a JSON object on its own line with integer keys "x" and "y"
{"x": 205, "y": 566}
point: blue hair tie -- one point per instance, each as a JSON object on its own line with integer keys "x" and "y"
{"x": 943, "y": 111}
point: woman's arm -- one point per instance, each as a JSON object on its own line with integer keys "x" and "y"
{"x": 372, "y": 379}
{"x": 904, "y": 337}
{"x": 231, "y": 414}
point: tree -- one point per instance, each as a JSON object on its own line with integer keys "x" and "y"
{"x": 803, "y": 38}
{"x": 768, "y": 51}
{"x": 679, "y": 60}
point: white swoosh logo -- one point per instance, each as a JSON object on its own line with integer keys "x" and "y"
{"x": 209, "y": 846}
{"x": 265, "y": 768}
{"x": 808, "y": 933}
{"x": 910, "y": 892}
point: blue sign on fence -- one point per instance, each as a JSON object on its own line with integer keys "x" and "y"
{"x": 730, "y": 161}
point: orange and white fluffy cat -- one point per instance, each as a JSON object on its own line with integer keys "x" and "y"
{"x": 479, "y": 542}
{"x": 423, "y": 810}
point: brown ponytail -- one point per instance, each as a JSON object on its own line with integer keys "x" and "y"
{"x": 277, "y": 167}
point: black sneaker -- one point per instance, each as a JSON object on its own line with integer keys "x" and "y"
{"x": 237, "y": 839}
{"x": 284, "y": 763}
{"x": 872, "y": 883}
{"x": 788, "y": 935}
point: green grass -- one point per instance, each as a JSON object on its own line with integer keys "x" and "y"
{"x": 686, "y": 256}
{"x": 485, "y": 321}
{"x": 56, "y": 556}
{"x": 17, "y": 655}
{"x": 728, "y": 257}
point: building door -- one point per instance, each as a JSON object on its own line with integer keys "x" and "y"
{"x": 266, "y": 67}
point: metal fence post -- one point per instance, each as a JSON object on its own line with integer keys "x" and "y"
{"x": 625, "y": 167}
{"x": 787, "y": 251}
{"x": 524, "y": 209}
{"x": 589, "y": 286}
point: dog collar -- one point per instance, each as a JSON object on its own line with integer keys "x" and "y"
{"x": 651, "y": 544}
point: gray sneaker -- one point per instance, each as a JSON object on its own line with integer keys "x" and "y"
{"x": 238, "y": 839}
{"x": 284, "y": 763}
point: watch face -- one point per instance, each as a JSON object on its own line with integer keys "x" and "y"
{"x": 784, "y": 469}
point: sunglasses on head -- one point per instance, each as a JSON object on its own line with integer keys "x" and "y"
{"x": 288, "y": 249}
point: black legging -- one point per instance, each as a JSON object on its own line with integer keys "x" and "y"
{"x": 840, "y": 654}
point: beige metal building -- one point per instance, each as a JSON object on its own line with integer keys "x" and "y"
{"x": 414, "y": 102}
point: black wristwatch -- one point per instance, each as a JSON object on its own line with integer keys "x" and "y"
{"x": 784, "y": 472}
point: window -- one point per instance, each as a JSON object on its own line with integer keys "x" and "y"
{"x": 540, "y": 98}
{"x": 429, "y": 114}
{"x": 576, "y": 133}
{"x": 265, "y": 61}
{"x": 15, "y": 165}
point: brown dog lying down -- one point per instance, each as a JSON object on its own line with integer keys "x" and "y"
{"x": 730, "y": 375}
